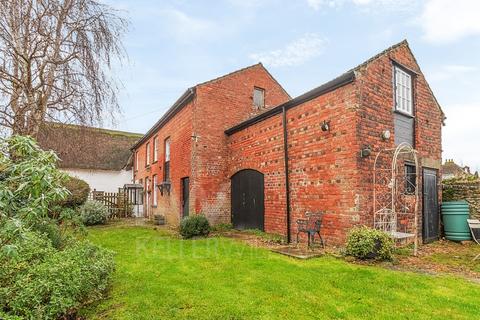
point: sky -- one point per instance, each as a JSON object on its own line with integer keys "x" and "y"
{"x": 175, "y": 44}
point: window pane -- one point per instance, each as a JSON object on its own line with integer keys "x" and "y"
{"x": 403, "y": 88}
{"x": 167, "y": 149}
{"x": 258, "y": 97}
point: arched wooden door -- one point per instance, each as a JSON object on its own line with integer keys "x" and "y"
{"x": 247, "y": 193}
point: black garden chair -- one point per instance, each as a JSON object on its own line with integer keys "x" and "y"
{"x": 311, "y": 225}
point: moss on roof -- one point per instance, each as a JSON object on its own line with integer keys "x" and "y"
{"x": 81, "y": 147}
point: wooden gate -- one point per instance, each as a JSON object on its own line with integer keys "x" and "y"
{"x": 117, "y": 203}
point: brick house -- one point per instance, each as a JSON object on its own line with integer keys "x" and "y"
{"x": 240, "y": 150}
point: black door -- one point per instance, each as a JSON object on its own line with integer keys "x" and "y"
{"x": 431, "y": 220}
{"x": 185, "y": 196}
{"x": 247, "y": 200}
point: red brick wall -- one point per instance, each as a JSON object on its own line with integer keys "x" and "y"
{"x": 326, "y": 170}
{"x": 221, "y": 104}
{"x": 198, "y": 143}
{"x": 322, "y": 169}
{"x": 179, "y": 129}
{"x": 375, "y": 115}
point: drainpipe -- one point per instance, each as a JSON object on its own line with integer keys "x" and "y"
{"x": 285, "y": 157}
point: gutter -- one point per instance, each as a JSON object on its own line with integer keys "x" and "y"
{"x": 186, "y": 97}
{"x": 332, "y": 85}
{"x": 287, "y": 180}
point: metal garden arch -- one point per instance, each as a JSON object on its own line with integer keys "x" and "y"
{"x": 396, "y": 193}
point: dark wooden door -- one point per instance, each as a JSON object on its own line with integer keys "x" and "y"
{"x": 431, "y": 219}
{"x": 248, "y": 207}
{"x": 185, "y": 196}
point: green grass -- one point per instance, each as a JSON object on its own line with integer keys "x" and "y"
{"x": 161, "y": 277}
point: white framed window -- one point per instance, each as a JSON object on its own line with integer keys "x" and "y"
{"x": 258, "y": 97}
{"x": 155, "y": 195}
{"x": 136, "y": 160}
{"x": 166, "y": 165}
{"x": 147, "y": 154}
{"x": 403, "y": 91}
{"x": 155, "y": 149}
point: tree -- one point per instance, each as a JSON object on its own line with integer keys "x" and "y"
{"x": 56, "y": 62}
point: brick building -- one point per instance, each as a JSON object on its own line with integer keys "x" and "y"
{"x": 239, "y": 149}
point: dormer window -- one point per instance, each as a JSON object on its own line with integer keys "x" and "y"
{"x": 258, "y": 97}
{"x": 403, "y": 91}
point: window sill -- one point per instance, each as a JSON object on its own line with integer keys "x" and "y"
{"x": 403, "y": 113}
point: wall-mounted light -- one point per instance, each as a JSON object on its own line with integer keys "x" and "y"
{"x": 325, "y": 125}
{"x": 365, "y": 151}
{"x": 164, "y": 187}
{"x": 386, "y": 135}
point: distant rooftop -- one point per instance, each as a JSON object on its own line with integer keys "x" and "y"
{"x": 81, "y": 147}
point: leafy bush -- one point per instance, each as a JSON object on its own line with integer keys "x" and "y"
{"x": 78, "y": 195}
{"x": 368, "y": 243}
{"x": 42, "y": 276}
{"x": 47, "y": 284}
{"x": 194, "y": 226}
{"x": 93, "y": 212}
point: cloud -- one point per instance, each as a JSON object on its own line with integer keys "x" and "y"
{"x": 295, "y": 53}
{"x": 445, "y": 21}
{"x": 448, "y": 72}
{"x": 460, "y": 134}
{"x": 185, "y": 27}
{"x": 370, "y": 5}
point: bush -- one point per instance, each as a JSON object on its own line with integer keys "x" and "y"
{"x": 49, "y": 284}
{"x": 93, "y": 212}
{"x": 368, "y": 243}
{"x": 194, "y": 226}
{"x": 79, "y": 191}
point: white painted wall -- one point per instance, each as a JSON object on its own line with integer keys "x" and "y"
{"x": 102, "y": 180}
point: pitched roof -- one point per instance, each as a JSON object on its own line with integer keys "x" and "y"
{"x": 187, "y": 96}
{"x": 339, "y": 81}
{"x": 451, "y": 168}
{"x": 81, "y": 147}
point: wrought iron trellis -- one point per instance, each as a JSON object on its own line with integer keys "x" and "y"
{"x": 396, "y": 193}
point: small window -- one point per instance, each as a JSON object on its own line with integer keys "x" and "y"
{"x": 155, "y": 183}
{"x": 155, "y": 149}
{"x": 410, "y": 179}
{"x": 403, "y": 91}
{"x": 136, "y": 160}
{"x": 166, "y": 170}
{"x": 258, "y": 97}
{"x": 147, "y": 154}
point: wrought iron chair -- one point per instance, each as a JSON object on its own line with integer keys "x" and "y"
{"x": 311, "y": 226}
{"x": 474, "y": 226}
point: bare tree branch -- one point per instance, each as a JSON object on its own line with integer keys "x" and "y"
{"x": 56, "y": 60}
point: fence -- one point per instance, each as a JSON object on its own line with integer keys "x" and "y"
{"x": 118, "y": 203}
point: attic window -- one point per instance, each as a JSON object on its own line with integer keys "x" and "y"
{"x": 258, "y": 97}
{"x": 403, "y": 91}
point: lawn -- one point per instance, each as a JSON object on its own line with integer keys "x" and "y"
{"x": 161, "y": 277}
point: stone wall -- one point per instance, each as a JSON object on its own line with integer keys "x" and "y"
{"x": 464, "y": 190}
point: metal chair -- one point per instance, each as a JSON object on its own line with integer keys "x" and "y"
{"x": 474, "y": 226}
{"x": 311, "y": 226}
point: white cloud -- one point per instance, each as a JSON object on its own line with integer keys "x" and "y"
{"x": 185, "y": 27}
{"x": 451, "y": 71}
{"x": 369, "y": 5}
{"x": 295, "y": 53}
{"x": 460, "y": 134}
{"x": 445, "y": 21}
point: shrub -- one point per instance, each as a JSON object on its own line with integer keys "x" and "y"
{"x": 93, "y": 212}
{"x": 194, "y": 226}
{"x": 58, "y": 282}
{"x": 79, "y": 191}
{"x": 368, "y": 243}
